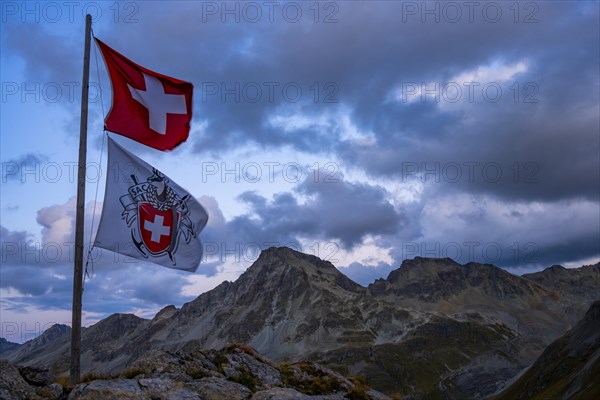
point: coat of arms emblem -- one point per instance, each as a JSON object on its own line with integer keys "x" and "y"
{"x": 157, "y": 216}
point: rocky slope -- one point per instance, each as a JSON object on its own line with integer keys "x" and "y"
{"x": 568, "y": 369}
{"x": 7, "y": 347}
{"x": 43, "y": 348}
{"x": 236, "y": 372}
{"x": 433, "y": 329}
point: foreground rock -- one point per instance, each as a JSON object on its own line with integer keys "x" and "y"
{"x": 14, "y": 383}
{"x": 236, "y": 372}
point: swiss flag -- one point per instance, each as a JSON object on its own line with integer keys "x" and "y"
{"x": 148, "y": 107}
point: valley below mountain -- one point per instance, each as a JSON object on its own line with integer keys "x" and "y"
{"x": 434, "y": 329}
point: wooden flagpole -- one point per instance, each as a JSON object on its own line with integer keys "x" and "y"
{"x": 78, "y": 264}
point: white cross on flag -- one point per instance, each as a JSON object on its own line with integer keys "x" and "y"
{"x": 147, "y": 216}
{"x": 148, "y": 107}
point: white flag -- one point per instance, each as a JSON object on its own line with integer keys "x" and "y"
{"x": 147, "y": 216}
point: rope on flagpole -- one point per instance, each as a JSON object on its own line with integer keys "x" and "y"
{"x": 104, "y": 135}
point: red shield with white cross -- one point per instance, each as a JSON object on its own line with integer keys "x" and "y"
{"x": 158, "y": 228}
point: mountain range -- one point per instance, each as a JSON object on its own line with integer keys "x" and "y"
{"x": 433, "y": 329}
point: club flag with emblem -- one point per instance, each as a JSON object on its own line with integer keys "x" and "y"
{"x": 148, "y": 107}
{"x": 148, "y": 216}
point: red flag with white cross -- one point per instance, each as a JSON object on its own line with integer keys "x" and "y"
{"x": 148, "y": 107}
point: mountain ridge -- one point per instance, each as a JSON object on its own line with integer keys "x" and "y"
{"x": 484, "y": 322}
{"x": 50, "y": 337}
{"x": 7, "y": 347}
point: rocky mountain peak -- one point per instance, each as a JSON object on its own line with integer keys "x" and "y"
{"x": 119, "y": 321}
{"x": 556, "y": 268}
{"x": 114, "y": 327}
{"x": 49, "y": 335}
{"x": 421, "y": 267}
{"x": 286, "y": 255}
{"x": 166, "y": 312}
{"x": 278, "y": 264}
{"x": 55, "y": 331}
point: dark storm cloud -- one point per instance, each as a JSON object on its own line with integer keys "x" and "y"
{"x": 34, "y": 281}
{"x": 119, "y": 290}
{"x": 30, "y": 269}
{"x": 49, "y": 56}
{"x": 16, "y": 169}
{"x": 241, "y": 68}
{"x": 135, "y": 287}
{"x": 18, "y": 247}
{"x": 105, "y": 293}
{"x": 533, "y": 152}
{"x": 366, "y": 274}
{"x": 333, "y": 209}
{"x": 370, "y": 52}
{"x": 554, "y": 141}
{"x": 581, "y": 247}
{"x": 510, "y": 235}
{"x": 41, "y": 271}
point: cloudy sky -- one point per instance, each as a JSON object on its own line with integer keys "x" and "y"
{"x": 362, "y": 132}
